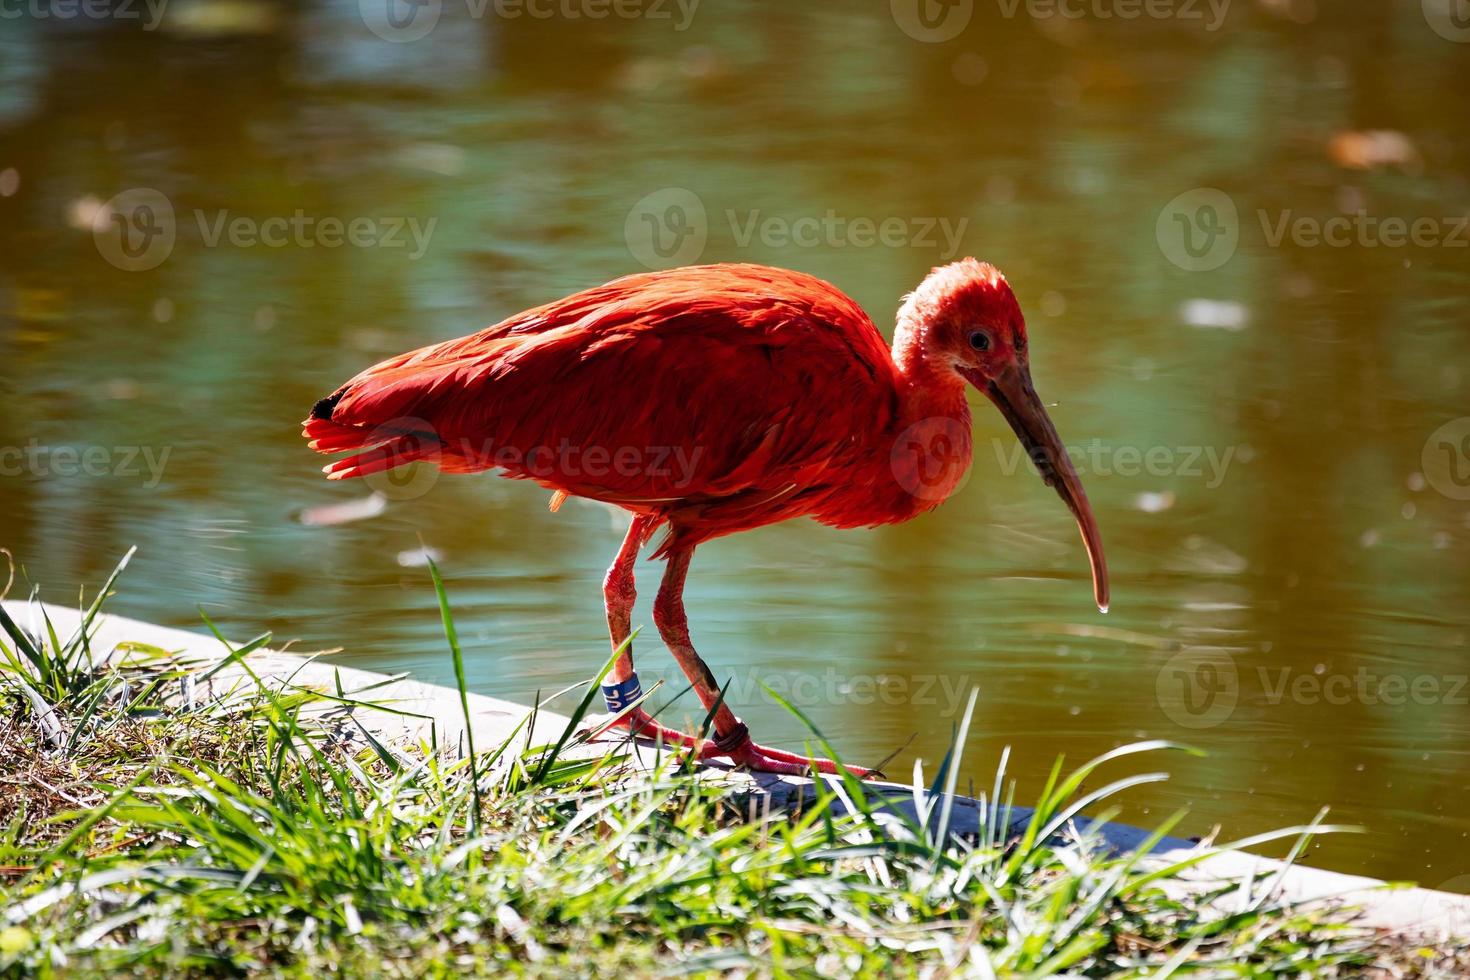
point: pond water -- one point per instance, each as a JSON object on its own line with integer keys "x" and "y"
{"x": 1240, "y": 245}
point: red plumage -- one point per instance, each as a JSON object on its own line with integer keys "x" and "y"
{"x": 717, "y": 397}
{"x": 712, "y": 399}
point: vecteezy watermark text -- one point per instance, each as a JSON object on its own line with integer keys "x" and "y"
{"x": 833, "y": 230}
{"x": 1097, "y": 458}
{"x": 931, "y": 459}
{"x": 1363, "y": 230}
{"x": 568, "y": 460}
{"x": 137, "y": 230}
{"x": 410, "y": 20}
{"x": 1200, "y": 230}
{"x": 937, "y": 21}
{"x": 1201, "y": 687}
{"x": 946, "y": 693}
{"x": 303, "y": 230}
{"x": 150, "y": 12}
{"x": 671, "y": 227}
{"x": 1210, "y": 13}
{"x": 37, "y": 459}
{"x": 407, "y": 440}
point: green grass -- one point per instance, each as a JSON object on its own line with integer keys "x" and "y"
{"x": 150, "y": 833}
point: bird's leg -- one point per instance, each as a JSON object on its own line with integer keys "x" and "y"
{"x": 732, "y": 739}
{"x": 621, "y": 686}
{"x": 673, "y": 626}
{"x": 619, "y": 593}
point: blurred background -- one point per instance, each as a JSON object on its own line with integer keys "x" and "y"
{"x": 1238, "y": 230}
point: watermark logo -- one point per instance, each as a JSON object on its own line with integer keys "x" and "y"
{"x": 667, "y": 228}
{"x": 39, "y": 460}
{"x": 679, "y": 12}
{"x": 400, "y": 20}
{"x": 1100, "y": 459}
{"x": 832, "y": 231}
{"x": 1363, "y": 230}
{"x": 944, "y": 695}
{"x": 1446, "y": 459}
{"x": 932, "y": 21}
{"x": 138, "y": 229}
{"x": 399, "y": 443}
{"x": 411, "y": 20}
{"x": 1199, "y": 230}
{"x": 1198, "y": 688}
{"x": 403, "y": 441}
{"x": 1450, "y": 19}
{"x": 931, "y": 458}
{"x": 135, "y": 231}
{"x": 1284, "y": 685}
{"x": 671, "y": 227}
{"x": 302, "y": 230}
{"x": 150, "y": 12}
{"x": 1211, "y": 13}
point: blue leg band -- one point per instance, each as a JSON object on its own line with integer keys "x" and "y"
{"x": 619, "y": 696}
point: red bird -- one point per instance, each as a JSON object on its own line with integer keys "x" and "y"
{"x": 709, "y": 400}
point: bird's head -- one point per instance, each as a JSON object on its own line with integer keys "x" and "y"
{"x": 963, "y": 322}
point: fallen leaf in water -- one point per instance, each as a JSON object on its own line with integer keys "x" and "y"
{"x": 1202, "y": 556}
{"x": 1370, "y": 149}
{"x": 329, "y": 515}
{"x": 642, "y": 74}
{"x": 1106, "y": 633}
{"x": 1215, "y": 314}
{"x": 419, "y": 557}
{"x": 1154, "y": 503}
{"x": 86, "y": 213}
{"x": 445, "y": 159}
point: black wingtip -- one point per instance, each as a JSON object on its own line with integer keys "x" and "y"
{"x": 323, "y": 409}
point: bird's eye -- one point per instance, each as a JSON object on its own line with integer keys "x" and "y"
{"x": 980, "y": 340}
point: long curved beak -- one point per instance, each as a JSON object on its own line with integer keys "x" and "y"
{"x": 1014, "y": 395}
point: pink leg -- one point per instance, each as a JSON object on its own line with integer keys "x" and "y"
{"x": 618, "y": 594}
{"x": 731, "y": 739}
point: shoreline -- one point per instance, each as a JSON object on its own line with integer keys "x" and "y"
{"x": 433, "y": 712}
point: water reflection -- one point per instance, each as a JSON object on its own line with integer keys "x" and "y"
{"x": 1315, "y": 550}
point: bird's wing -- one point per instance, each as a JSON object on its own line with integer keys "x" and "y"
{"x": 654, "y": 388}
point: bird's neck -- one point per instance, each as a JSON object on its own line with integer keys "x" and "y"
{"x": 927, "y": 388}
{"x": 928, "y": 453}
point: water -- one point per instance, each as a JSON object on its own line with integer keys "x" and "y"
{"x": 1286, "y": 520}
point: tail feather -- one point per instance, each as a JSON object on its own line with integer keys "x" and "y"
{"x": 330, "y": 437}
{"x": 383, "y": 446}
{"x": 425, "y": 404}
{"x": 399, "y": 411}
{"x": 399, "y": 451}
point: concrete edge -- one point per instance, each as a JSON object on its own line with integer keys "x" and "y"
{"x": 1428, "y": 916}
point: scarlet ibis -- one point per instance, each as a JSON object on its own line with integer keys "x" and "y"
{"x": 708, "y": 400}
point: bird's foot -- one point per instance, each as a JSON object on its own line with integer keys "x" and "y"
{"x": 736, "y": 746}
{"x": 758, "y": 758}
